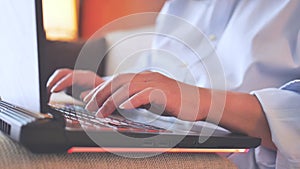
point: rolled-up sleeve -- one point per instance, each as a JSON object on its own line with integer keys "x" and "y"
{"x": 282, "y": 109}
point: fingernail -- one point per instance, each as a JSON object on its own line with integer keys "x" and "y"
{"x": 48, "y": 84}
{"x": 54, "y": 89}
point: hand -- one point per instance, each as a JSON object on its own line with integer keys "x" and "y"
{"x": 64, "y": 78}
{"x": 128, "y": 91}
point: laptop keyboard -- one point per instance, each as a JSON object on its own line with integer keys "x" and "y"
{"x": 77, "y": 118}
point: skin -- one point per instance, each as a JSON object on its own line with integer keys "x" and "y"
{"x": 242, "y": 112}
{"x": 64, "y": 78}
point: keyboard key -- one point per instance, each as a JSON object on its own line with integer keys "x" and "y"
{"x": 77, "y": 116}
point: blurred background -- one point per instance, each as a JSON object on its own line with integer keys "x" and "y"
{"x": 72, "y": 20}
{"x": 68, "y": 24}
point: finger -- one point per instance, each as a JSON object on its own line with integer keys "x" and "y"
{"x": 152, "y": 99}
{"x": 84, "y": 79}
{"x": 140, "y": 99}
{"x": 84, "y": 94}
{"x": 63, "y": 83}
{"x": 115, "y": 100}
{"x": 90, "y": 95}
{"x": 121, "y": 94}
{"x": 101, "y": 94}
{"x": 118, "y": 97}
{"x": 57, "y": 75}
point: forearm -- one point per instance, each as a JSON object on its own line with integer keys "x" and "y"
{"x": 243, "y": 113}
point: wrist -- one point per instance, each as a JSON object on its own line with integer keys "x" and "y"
{"x": 205, "y": 103}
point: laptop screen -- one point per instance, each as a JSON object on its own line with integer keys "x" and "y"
{"x": 19, "y": 71}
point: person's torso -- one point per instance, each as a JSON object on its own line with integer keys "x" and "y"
{"x": 256, "y": 42}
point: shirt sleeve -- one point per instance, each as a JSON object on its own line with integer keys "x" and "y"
{"x": 292, "y": 86}
{"x": 282, "y": 109}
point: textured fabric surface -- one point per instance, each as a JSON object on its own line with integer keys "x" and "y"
{"x": 12, "y": 156}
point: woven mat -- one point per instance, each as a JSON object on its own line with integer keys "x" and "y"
{"x": 14, "y": 156}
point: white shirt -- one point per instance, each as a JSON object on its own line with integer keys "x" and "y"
{"x": 254, "y": 47}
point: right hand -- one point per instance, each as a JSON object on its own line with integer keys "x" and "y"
{"x": 61, "y": 79}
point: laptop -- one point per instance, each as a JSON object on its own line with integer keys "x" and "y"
{"x": 27, "y": 117}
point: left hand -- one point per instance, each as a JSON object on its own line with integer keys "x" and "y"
{"x": 61, "y": 79}
{"x": 128, "y": 91}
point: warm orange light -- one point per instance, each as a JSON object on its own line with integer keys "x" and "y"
{"x": 60, "y": 19}
{"x": 153, "y": 150}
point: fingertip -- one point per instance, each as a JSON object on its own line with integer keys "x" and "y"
{"x": 49, "y": 88}
{"x": 48, "y": 84}
{"x": 85, "y": 99}
{"x": 101, "y": 113}
{"x": 83, "y": 95}
{"x": 52, "y": 90}
{"x": 88, "y": 97}
{"x": 88, "y": 107}
{"x": 55, "y": 89}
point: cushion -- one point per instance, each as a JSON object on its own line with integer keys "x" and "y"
{"x": 13, "y": 155}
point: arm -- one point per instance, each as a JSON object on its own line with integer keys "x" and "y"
{"x": 242, "y": 112}
{"x": 281, "y": 107}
